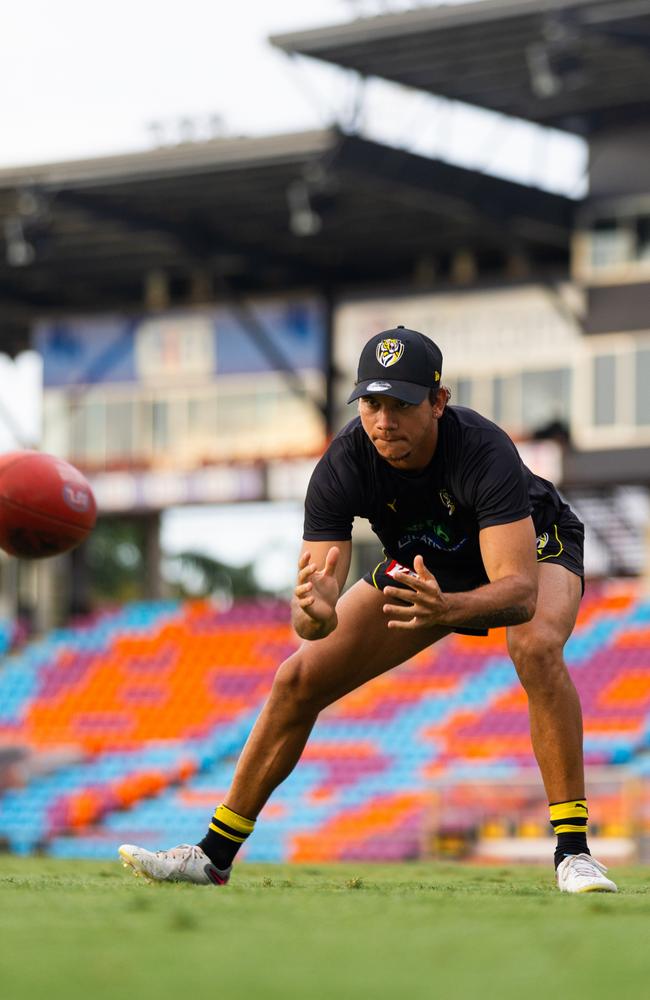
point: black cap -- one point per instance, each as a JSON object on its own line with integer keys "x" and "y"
{"x": 400, "y": 363}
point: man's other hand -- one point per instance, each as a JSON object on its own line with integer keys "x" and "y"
{"x": 317, "y": 590}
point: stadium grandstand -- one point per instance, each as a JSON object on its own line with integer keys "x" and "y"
{"x": 213, "y": 281}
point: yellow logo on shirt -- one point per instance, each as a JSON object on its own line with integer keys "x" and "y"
{"x": 448, "y": 501}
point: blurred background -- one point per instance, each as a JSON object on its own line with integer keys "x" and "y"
{"x": 203, "y": 217}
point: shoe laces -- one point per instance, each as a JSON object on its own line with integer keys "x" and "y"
{"x": 185, "y": 853}
{"x": 584, "y": 864}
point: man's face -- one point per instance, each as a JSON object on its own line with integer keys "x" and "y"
{"x": 405, "y": 435}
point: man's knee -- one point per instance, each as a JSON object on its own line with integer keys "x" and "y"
{"x": 299, "y": 684}
{"x": 538, "y": 658}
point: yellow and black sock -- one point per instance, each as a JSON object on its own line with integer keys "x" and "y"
{"x": 227, "y": 832}
{"x": 569, "y": 820}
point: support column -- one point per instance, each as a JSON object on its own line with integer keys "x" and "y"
{"x": 79, "y": 600}
{"x": 330, "y": 368}
{"x": 151, "y": 582}
{"x": 156, "y": 291}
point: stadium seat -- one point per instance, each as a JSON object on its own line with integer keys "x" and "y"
{"x": 159, "y": 698}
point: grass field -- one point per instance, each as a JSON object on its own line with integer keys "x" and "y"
{"x": 91, "y": 930}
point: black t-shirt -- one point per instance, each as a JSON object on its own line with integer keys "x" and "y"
{"x": 476, "y": 479}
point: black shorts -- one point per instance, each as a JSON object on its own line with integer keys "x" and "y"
{"x": 561, "y": 543}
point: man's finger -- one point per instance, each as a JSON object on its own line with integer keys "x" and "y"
{"x": 399, "y": 594}
{"x": 421, "y": 569}
{"x": 401, "y": 612}
{"x": 303, "y": 589}
{"x": 331, "y": 560}
{"x": 411, "y": 582}
{"x": 304, "y": 559}
{"x": 423, "y": 572}
{"x": 413, "y": 623}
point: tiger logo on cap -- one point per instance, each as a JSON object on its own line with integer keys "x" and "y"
{"x": 389, "y": 352}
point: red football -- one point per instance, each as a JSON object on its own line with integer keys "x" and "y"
{"x": 46, "y": 505}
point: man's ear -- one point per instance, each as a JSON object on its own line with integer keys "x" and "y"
{"x": 439, "y": 399}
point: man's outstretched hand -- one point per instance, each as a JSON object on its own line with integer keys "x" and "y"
{"x": 317, "y": 590}
{"x": 426, "y": 604}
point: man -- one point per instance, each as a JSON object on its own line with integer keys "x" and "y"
{"x": 472, "y": 540}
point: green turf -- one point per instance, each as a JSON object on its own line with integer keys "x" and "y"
{"x": 90, "y": 930}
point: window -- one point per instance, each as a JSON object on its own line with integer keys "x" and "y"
{"x": 202, "y": 416}
{"x": 233, "y": 414}
{"x": 119, "y": 429}
{"x": 611, "y": 243}
{"x": 88, "y": 420}
{"x": 160, "y": 423}
{"x": 619, "y": 241}
{"x": 497, "y": 399}
{"x": 463, "y": 392}
{"x": 604, "y": 399}
{"x": 546, "y": 396}
{"x": 642, "y": 378}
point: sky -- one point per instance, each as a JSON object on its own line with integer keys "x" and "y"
{"x": 78, "y": 79}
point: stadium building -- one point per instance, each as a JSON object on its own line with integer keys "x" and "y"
{"x": 544, "y": 62}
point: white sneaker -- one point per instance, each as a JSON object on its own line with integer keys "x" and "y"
{"x": 185, "y": 863}
{"x": 582, "y": 873}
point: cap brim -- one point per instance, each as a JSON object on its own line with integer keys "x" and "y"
{"x": 408, "y": 392}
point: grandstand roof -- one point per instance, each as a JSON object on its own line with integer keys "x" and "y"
{"x": 578, "y": 65}
{"x": 312, "y": 210}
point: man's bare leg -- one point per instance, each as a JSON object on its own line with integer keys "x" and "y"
{"x": 556, "y": 725}
{"x": 360, "y": 647}
{"x": 317, "y": 674}
{"x": 554, "y": 707}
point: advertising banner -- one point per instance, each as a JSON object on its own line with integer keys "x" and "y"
{"x": 191, "y": 344}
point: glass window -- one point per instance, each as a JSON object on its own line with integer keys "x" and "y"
{"x": 463, "y": 392}
{"x": 76, "y": 418}
{"x": 643, "y": 386}
{"x": 266, "y": 405}
{"x": 88, "y": 421}
{"x": 546, "y": 396}
{"x": 604, "y": 413}
{"x": 145, "y": 429}
{"x": 194, "y": 414}
{"x": 506, "y": 401}
{"x": 207, "y": 416}
{"x": 95, "y": 431}
{"x": 160, "y": 422}
{"x": 612, "y": 242}
{"x": 119, "y": 429}
{"x": 177, "y": 422}
{"x": 233, "y": 414}
{"x": 497, "y": 399}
